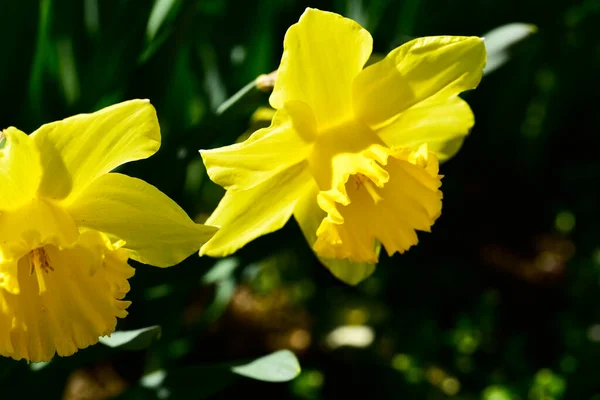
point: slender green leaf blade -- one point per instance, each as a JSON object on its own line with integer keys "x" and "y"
{"x": 158, "y": 16}
{"x": 221, "y": 271}
{"x": 499, "y": 41}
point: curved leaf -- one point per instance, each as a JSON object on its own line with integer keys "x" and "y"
{"x": 137, "y": 339}
{"x": 281, "y": 366}
{"x": 500, "y": 40}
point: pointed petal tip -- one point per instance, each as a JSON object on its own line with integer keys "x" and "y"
{"x": 142, "y": 100}
{"x": 208, "y": 250}
{"x": 208, "y": 230}
{"x": 309, "y": 10}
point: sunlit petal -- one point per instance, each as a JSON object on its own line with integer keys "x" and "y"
{"x": 244, "y": 215}
{"x": 323, "y": 53}
{"x": 20, "y": 170}
{"x": 266, "y": 153}
{"x": 442, "y": 124}
{"x": 156, "y": 230}
{"x": 77, "y": 150}
{"x": 442, "y": 66}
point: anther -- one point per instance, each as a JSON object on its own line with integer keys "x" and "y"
{"x": 362, "y": 180}
{"x": 39, "y": 258}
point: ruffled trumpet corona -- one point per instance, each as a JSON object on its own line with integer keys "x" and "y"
{"x": 352, "y": 152}
{"x": 68, "y": 226}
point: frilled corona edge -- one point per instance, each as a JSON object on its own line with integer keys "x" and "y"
{"x": 351, "y": 152}
{"x": 68, "y": 226}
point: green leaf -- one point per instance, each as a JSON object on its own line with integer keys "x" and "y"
{"x": 500, "y": 41}
{"x": 281, "y": 366}
{"x": 68, "y": 70}
{"x": 137, "y": 339}
{"x": 37, "y": 366}
{"x": 223, "y": 293}
{"x": 91, "y": 16}
{"x": 154, "y": 379}
{"x": 220, "y": 275}
{"x": 221, "y": 271}
{"x": 41, "y": 59}
{"x": 159, "y": 14}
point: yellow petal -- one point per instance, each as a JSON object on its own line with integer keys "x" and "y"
{"x": 309, "y": 216}
{"x": 77, "y": 150}
{"x": 156, "y": 230}
{"x": 266, "y": 153}
{"x": 442, "y": 65}
{"x": 76, "y": 307}
{"x": 244, "y": 215}
{"x": 409, "y": 201}
{"x": 442, "y": 124}
{"x": 20, "y": 170}
{"x": 348, "y": 271}
{"x": 34, "y": 224}
{"x": 322, "y": 54}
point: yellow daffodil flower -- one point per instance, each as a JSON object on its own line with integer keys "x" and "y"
{"x": 68, "y": 227}
{"x": 351, "y": 153}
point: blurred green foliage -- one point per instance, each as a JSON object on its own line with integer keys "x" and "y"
{"x": 499, "y": 302}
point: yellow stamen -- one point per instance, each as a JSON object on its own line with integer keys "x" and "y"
{"x": 362, "y": 180}
{"x": 39, "y": 261}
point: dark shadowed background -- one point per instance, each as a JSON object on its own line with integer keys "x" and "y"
{"x": 501, "y": 301}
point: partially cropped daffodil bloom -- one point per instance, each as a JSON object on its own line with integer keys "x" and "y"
{"x": 351, "y": 153}
{"x": 68, "y": 226}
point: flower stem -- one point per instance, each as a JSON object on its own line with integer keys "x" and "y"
{"x": 263, "y": 83}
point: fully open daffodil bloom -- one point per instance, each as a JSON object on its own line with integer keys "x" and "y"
{"x": 68, "y": 227}
{"x": 352, "y": 152}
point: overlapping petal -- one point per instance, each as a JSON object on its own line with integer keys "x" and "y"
{"x": 442, "y": 123}
{"x": 156, "y": 230}
{"x": 244, "y": 215}
{"x": 266, "y": 152}
{"x": 76, "y": 308}
{"x": 77, "y": 150}
{"x": 441, "y": 65}
{"x": 20, "y": 170}
{"x": 323, "y": 53}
